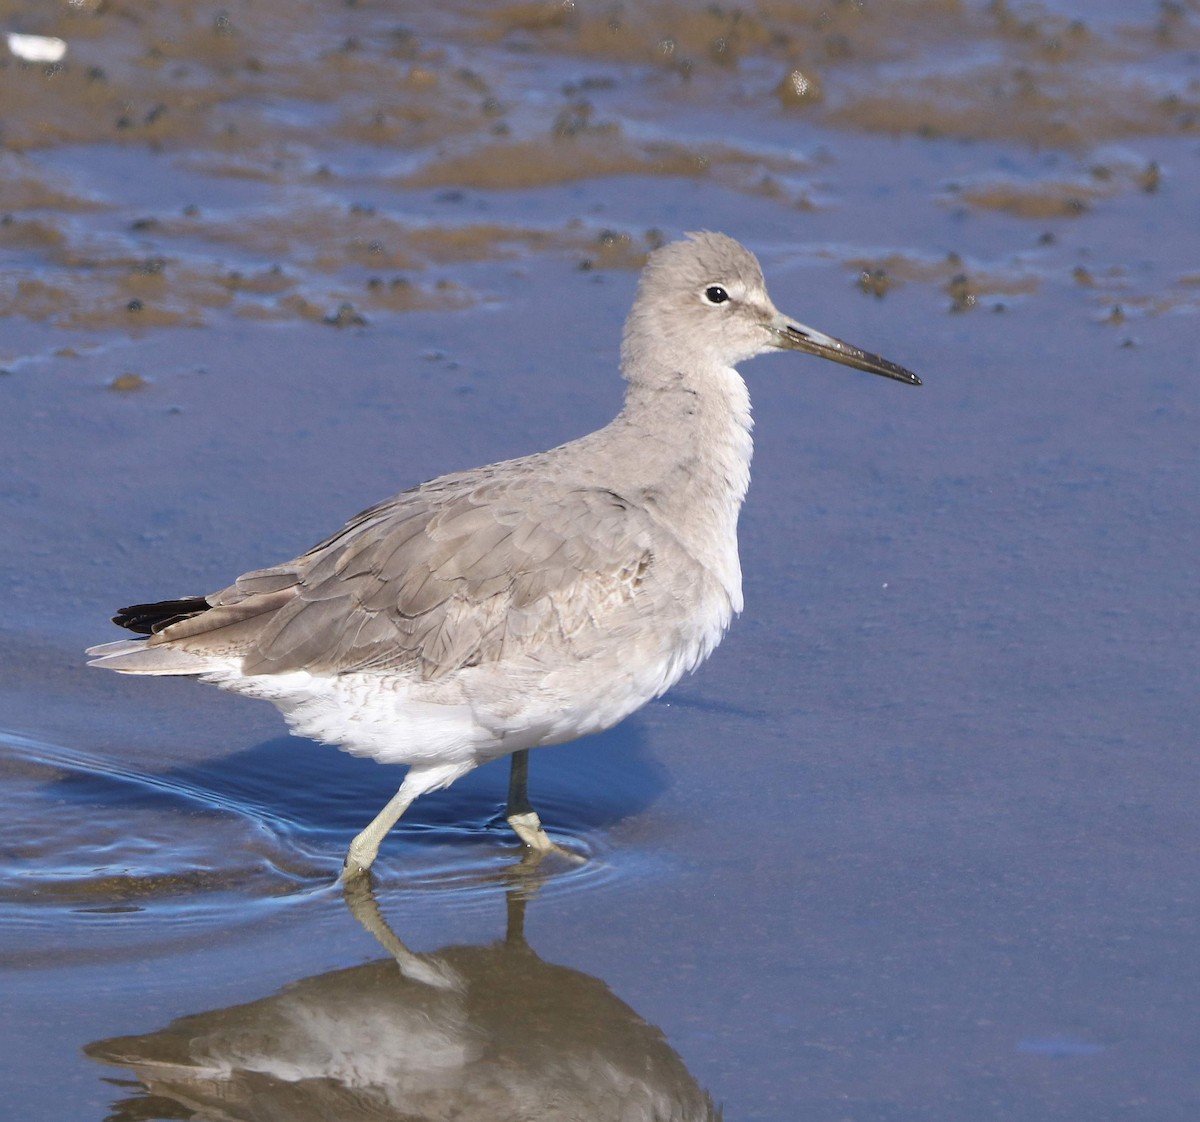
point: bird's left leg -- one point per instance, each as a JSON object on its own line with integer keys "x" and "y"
{"x": 520, "y": 813}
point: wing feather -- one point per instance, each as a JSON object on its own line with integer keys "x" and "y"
{"x": 460, "y": 572}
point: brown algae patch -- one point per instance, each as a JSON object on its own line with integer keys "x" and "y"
{"x": 244, "y": 80}
{"x": 161, "y": 840}
{"x": 931, "y": 67}
{"x": 965, "y": 285}
{"x": 1055, "y": 197}
{"x": 536, "y": 163}
{"x": 677, "y": 36}
{"x": 306, "y": 259}
{"x": 129, "y": 382}
{"x": 1031, "y": 200}
{"x": 269, "y": 117}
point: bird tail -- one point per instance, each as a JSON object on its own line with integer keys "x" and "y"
{"x": 137, "y": 656}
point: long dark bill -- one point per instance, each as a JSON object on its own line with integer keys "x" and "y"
{"x": 794, "y": 336}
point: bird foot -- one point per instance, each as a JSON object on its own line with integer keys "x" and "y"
{"x": 528, "y": 827}
{"x": 355, "y": 867}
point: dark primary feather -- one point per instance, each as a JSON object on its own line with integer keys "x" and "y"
{"x": 149, "y": 619}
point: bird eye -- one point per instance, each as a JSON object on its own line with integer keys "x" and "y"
{"x": 715, "y": 294}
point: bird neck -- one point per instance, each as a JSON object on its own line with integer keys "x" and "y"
{"x": 699, "y": 418}
{"x": 683, "y": 444}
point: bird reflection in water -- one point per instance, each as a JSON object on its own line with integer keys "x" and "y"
{"x": 468, "y": 1032}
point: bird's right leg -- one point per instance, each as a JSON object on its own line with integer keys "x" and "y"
{"x": 365, "y": 847}
{"x": 418, "y": 781}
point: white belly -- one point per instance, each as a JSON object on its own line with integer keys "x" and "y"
{"x": 479, "y": 713}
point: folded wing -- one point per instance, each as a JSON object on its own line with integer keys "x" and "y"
{"x": 464, "y": 571}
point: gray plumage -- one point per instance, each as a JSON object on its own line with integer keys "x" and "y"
{"x": 526, "y": 602}
{"x": 456, "y": 573}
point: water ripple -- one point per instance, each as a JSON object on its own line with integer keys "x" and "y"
{"x": 89, "y": 843}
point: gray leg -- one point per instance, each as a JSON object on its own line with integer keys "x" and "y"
{"x": 365, "y": 847}
{"x": 520, "y": 814}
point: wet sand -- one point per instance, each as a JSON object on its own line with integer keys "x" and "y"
{"x": 918, "y": 842}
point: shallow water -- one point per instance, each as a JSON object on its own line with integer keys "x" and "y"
{"x": 918, "y": 843}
